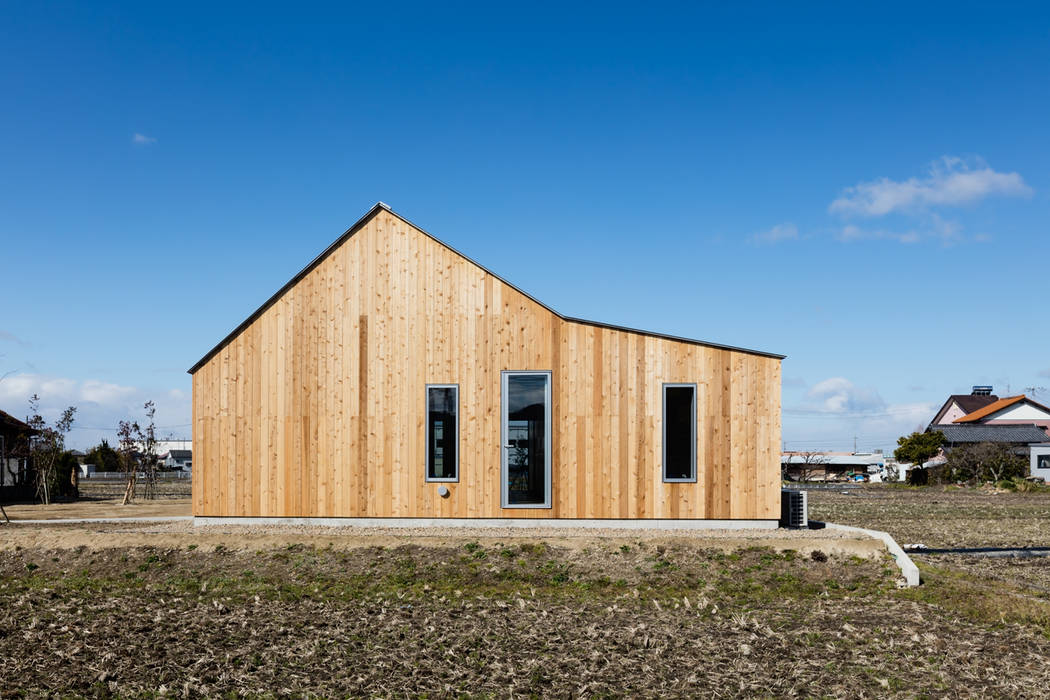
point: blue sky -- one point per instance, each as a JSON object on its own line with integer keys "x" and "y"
{"x": 863, "y": 189}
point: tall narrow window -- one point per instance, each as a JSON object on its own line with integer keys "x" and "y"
{"x": 442, "y": 432}
{"x": 679, "y": 432}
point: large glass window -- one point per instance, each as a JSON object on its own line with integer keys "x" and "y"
{"x": 526, "y": 429}
{"x": 679, "y": 432}
{"x": 442, "y": 432}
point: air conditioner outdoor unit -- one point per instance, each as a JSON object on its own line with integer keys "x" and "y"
{"x": 794, "y": 509}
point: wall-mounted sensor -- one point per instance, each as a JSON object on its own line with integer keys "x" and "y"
{"x": 443, "y": 491}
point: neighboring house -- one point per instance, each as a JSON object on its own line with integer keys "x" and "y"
{"x": 396, "y": 378}
{"x": 166, "y": 445}
{"x": 1020, "y": 438}
{"x": 959, "y": 405}
{"x": 177, "y": 459}
{"x": 1012, "y": 410}
{"x": 14, "y": 465}
{"x": 1040, "y": 461}
{"x": 1016, "y": 421}
{"x": 830, "y": 466}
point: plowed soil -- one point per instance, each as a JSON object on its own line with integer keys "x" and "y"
{"x": 185, "y": 615}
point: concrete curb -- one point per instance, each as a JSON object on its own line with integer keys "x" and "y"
{"x": 907, "y": 566}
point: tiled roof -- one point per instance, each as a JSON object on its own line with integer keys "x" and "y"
{"x": 967, "y": 402}
{"x": 6, "y": 419}
{"x": 983, "y": 432}
{"x": 996, "y": 407}
{"x": 971, "y": 402}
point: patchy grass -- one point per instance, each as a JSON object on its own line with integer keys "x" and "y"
{"x": 499, "y": 618}
{"x": 523, "y": 619}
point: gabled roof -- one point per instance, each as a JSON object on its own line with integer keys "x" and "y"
{"x": 1016, "y": 434}
{"x": 997, "y": 406}
{"x": 11, "y": 423}
{"x": 967, "y": 402}
{"x": 379, "y": 207}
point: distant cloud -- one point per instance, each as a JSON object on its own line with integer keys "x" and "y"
{"x": 142, "y": 139}
{"x": 777, "y": 234}
{"x": 933, "y": 227}
{"x": 1045, "y": 372}
{"x": 838, "y": 407}
{"x": 850, "y": 233}
{"x": 839, "y": 395}
{"x": 948, "y": 182}
{"x": 99, "y": 405}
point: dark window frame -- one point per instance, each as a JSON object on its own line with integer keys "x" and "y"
{"x": 691, "y": 479}
{"x": 426, "y": 435}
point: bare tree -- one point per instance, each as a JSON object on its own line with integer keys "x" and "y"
{"x": 126, "y": 432}
{"x": 804, "y": 465}
{"x": 148, "y": 443}
{"x": 138, "y": 449}
{"x": 46, "y": 444}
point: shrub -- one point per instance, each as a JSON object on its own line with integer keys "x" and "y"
{"x": 984, "y": 461}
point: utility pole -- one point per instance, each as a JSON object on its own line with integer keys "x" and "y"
{"x": 854, "y": 444}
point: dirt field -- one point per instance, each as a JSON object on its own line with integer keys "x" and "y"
{"x": 169, "y": 610}
{"x": 940, "y": 516}
{"x": 950, "y": 517}
{"x": 101, "y": 508}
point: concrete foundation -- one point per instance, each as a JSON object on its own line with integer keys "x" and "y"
{"x": 525, "y": 523}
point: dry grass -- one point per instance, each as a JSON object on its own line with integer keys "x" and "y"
{"x": 521, "y": 619}
{"x": 940, "y": 516}
{"x": 529, "y": 618}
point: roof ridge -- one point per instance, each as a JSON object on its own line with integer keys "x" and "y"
{"x": 382, "y": 206}
{"x": 989, "y": 409}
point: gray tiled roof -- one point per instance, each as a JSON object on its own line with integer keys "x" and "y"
{"x": 983, "y": 432}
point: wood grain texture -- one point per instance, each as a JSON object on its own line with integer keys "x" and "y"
{"x": 316, "y": 408}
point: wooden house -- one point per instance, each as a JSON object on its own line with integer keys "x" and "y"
{"x": 396, "y": 378}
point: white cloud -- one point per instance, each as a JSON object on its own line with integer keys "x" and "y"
{"x": 1045, "y": 372}
{"x": 839, "y": 395}
{"x": 933, "y": 228}
{"x": 836, "y": 410}
{"x": 104, "y": 393}
{"x": 777, "y": 234}
{"x": 142, "y": 139}
{"x": 948, "y": 182}
{"x": 100, "y": 405}
{"x": 850, "y": 233}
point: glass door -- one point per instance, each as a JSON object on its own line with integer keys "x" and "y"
{"x": 526, "y": 440}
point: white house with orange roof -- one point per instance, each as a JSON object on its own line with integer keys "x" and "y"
{"x": 1011, "y": 410}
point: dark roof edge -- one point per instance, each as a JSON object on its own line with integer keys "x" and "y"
{"x": 380, "y": 206}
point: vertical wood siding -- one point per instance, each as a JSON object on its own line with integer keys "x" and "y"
{"x": 317, "y": 408}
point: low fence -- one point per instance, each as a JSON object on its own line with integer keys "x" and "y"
{"x": 112, "y": 485}
{"x": 121, "y": 476}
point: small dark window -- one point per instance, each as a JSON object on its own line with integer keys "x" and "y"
{"x": 442, "y": 432}
{"x": 679, "y": 432}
